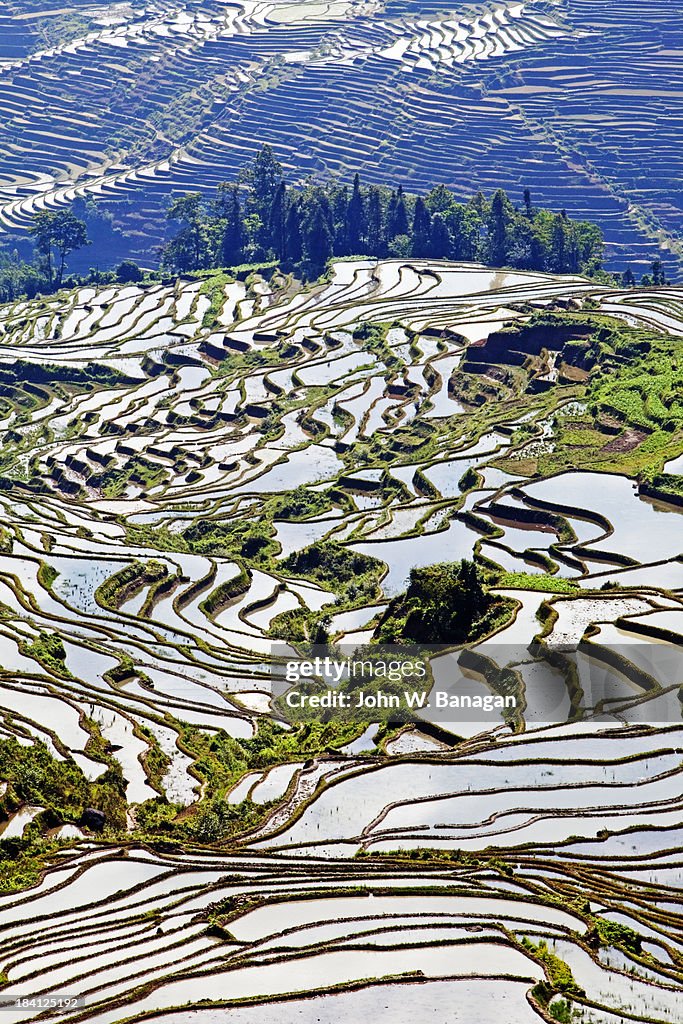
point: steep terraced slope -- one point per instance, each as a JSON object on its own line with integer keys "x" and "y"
{"x": 131, "y": 103}
{"x": 169, "y": 452}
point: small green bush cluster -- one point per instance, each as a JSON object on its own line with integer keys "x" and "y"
{"x": 558, "y": 972}
{"x": 444, "y": 603}
{"x": 48, "y": 649}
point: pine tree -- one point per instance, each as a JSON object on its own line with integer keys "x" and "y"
{"x": 266, "y": 178}
{"x": 537, "y": 250}
{"x": 558, "y": 245}
{"x": 658, "y": 275}
{"x": 573, "y": 257}
{"x": 355, "y": 220}
{"x": 421, "y": 229}
{"x": 232, "y": 243}
{"x": 276, "y": 222}
{"x": 440, "y": 239}
{"x": 293, "y": 240}
{"x": 262, "y": 178}
{"x": 340, "y": 208}
{"x": 397, "y": 216}
{"x": 375, "y": 232}
{"x": 499, "y": 221}
{"x": 391, "y": 213}
{"x": 317, "y": 238}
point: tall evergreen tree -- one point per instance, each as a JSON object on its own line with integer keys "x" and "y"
{"x": 559, "y": 245}
{"x": 293, "y": 239}
{"x": 232, "y": 242}
{"x": 317, "y": 238}
{"x": 375, "y": 229}
{"x": 499, "y": 221}
{"x": 276, "y": 222}
{"x": 262, "y": 177}
{"x": 422, "y": 224}
{"x": 658, "y": 275}
{"x": 478, "y": 203}
{"x": 355, "y": 220}
{"x": 397, "y": 215}
{"x": 440, "y": 239}
{"x": 223, "y": 202}
{"x": 266, "y": 179}
{"x": 538, "y": 250}
{"x": 340, "y": 209}
{"x": 573, "y": 260}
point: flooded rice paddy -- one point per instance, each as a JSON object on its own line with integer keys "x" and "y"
{"x": 437, "y": 864}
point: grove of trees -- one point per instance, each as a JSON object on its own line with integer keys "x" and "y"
{"x": 56, "y": 234}
{"x": 444, "y": 603}
{"x": 259, "y": 218}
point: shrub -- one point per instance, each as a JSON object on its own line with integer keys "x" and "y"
{"x": 128, "y": 271}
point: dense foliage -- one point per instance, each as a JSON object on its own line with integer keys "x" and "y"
{"x": 34, "y": 776}
{"x": 444, "y": 603}
{"x": 330, "y": 562}
{"x": 220, "y": 760}
{"x": 55, "y": 236}
{"x": 259, "y": 217}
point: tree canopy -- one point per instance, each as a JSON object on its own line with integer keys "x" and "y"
{"x": 260, "y": 217}
{"x": 444, "y": 603}
{"x": 57, "y": 233}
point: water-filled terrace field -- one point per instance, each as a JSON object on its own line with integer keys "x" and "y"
{"x": 169, "y": 454}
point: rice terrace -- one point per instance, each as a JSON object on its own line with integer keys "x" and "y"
{"x": 340, "y": 335}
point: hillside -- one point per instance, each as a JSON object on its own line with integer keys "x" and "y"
{"x": 127, "y": 104}
{"x": 194, "y": 472}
